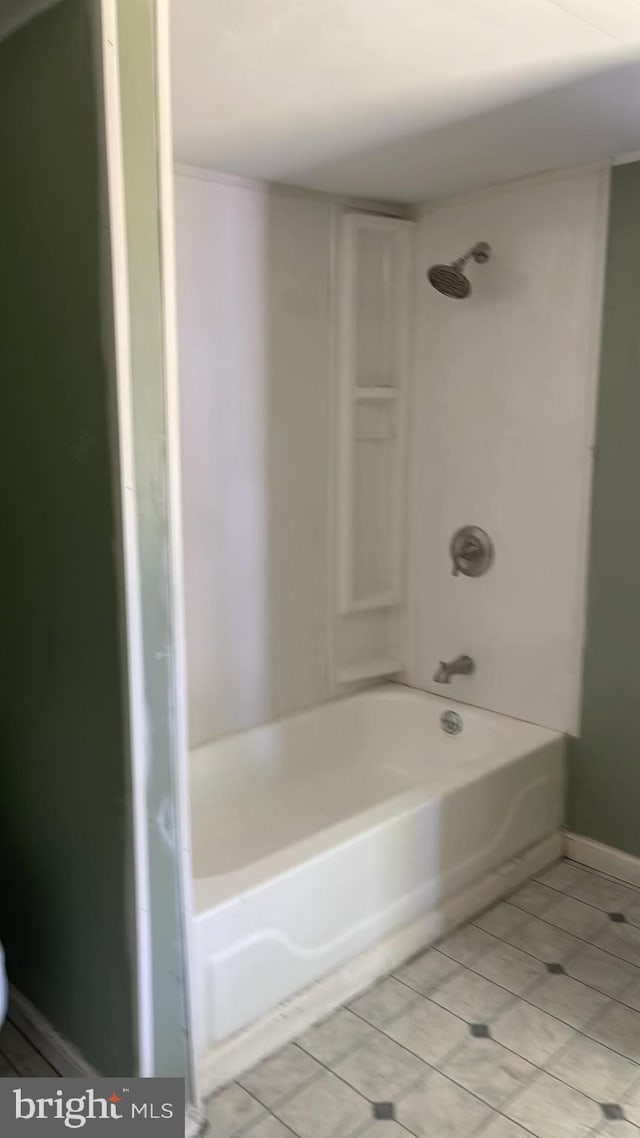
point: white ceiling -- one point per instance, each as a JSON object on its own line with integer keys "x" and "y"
{"x": 403, "y": 99}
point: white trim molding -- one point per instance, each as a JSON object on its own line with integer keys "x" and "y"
{"x": 172, "y": 398}
{"x": 606, "y": 859}
{"x": 139, "y": 727}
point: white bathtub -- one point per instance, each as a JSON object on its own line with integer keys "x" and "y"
{"x": 317, "y": 837}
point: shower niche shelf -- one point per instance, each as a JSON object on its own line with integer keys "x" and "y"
{"x": 373, "y": 305}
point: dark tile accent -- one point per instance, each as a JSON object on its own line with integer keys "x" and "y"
{"x": 618, "y": 918}
{"x": 612, "y": 1110}
{"x": 557, "y": 969}
{"x": 479, "y": 1030}
{"x": 384, "y": 1110}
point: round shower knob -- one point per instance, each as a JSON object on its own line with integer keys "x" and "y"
{"x": 471, "y": 551}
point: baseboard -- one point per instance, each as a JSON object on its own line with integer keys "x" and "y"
{"x": 66, "y": 1059}
{"x": 195, "y": 1123}
{"x": 56, "y": 1049}
{"x": 606, "y": 859}
{"x": 236, "y": 1055}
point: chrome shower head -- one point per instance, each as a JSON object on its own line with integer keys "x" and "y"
{"x": 450, "y": 279}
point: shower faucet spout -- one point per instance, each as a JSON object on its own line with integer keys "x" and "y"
{"x": 461, "y": 666}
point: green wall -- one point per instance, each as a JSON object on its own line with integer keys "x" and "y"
{"x": 604, "y": 787}
{"x": 64, "y": 815}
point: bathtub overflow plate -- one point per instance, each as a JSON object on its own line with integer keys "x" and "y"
{"x": 451, "y": 722}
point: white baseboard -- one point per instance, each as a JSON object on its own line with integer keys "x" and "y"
{"x": 606, "y": 859}
{"x": 57, "y": 1050}
{"x": 236, "y": 1055}
{"x": 195, "y": 1123}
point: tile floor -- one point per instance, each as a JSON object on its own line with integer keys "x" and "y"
{"x": 17, "y": 1055}
{"x": 526, "y": 1021}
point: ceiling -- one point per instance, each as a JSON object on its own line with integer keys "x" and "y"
{"x": 403, "y": 99}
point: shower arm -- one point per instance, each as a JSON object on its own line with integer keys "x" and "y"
{"x": 462, "y": 261}
{"x": 478, "y": 253}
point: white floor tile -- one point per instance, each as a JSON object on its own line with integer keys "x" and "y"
{"x": 500, "y": 919}
{"x": 610, "y": 896}
{"x": 385, "y": 1129}
{"x": 325, "y": 1109}
{"x": 501, "y": 1127}
{"x": 575, "y": 917}
{"x": 582, "y": 1025}
{"x": 429, "y": 1031}
{"x": 543, "y": 940}
{"x": 510, "y": 967}
{"x": 380, "y": 1004}
{"x": 232, "y": 1109}
{"x": 488, "y": 1070}
{"x": 533, "y": 897}
{"x": 437, "y": 1108}
{"x": 568, "y": 1000}
{"x": 622, "y": 940}
{"x": 471, "y": 997}
{"x": 465, "y": 944}
{"x": 424, "y": 972}
{"x": 618, "y": 1129}
{"x": 381, "y": 1069}
{"x": 334, "y": 1037}
{"x": 267, "y": 1127}
{"x": 631, "y": 994}
{"x": 531, "y": 1032}
{"x": 593, "y": 1069}
{"x": 630, "y": 1104}
{"x": 549, "y": 1109}
{"x": 619, "y": 1028}
{"x": 563, "y": 876}
{"x": 602, "y": 971}
{"x": 280, "y": 1075}
{"x": 631, "y": 909}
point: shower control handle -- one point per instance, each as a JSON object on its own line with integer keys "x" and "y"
{"x": 471, "y": 551}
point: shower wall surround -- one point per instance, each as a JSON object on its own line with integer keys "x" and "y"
{"x": 254, "y": 311}
{"x": 294, "y": 337}
{"x": 502, "y": 413}
{"x": 503, "y": 420}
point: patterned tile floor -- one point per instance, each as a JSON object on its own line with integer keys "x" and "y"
{"x": 526, "y": 1021}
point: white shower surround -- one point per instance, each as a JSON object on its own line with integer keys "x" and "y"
{"x": 503, "y": 418}
{"x": 321, "y": 836}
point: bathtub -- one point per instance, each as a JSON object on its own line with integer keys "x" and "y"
{"x": 319, "y": 837}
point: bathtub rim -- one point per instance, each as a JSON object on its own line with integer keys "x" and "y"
{"x": 215, "y": 890}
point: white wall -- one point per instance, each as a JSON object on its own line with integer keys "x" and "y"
{"x": 254, "y": 342}
{"x": 503, "y": 424}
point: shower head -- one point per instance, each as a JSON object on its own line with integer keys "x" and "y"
{"x": 450, "y": 279}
